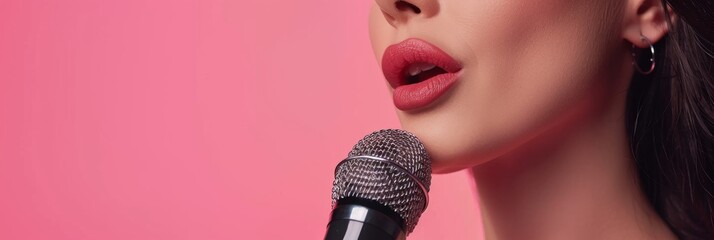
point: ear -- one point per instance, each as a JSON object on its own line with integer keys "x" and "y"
{"x": 646, "y": 17}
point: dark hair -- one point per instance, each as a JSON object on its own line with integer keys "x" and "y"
{"x": 670, "y": 121}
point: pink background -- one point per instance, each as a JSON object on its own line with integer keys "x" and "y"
{"x": 190, "y": 119}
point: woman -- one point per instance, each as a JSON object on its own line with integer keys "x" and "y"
{"x": 578, "y": 119}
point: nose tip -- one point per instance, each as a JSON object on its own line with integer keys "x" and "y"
{"x": 401, "y": 11}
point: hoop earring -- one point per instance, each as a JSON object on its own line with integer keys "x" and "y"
{"x": 635, "y": 57}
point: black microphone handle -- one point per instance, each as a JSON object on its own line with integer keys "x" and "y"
{"x": 361, "y": 219}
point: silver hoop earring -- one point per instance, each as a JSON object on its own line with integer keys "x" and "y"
{"x": 635, "y": 57}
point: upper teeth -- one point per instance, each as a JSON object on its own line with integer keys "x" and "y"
{"x": 415, "y": 69}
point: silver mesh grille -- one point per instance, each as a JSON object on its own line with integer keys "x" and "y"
{"x": 369, "y": 178}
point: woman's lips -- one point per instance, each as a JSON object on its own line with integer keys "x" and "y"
{"x": 401, "y": 58}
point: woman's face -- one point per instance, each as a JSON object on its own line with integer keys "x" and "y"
{"x": 528, "y": 67}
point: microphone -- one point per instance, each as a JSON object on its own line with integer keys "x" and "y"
{"x": 381, "y": 188}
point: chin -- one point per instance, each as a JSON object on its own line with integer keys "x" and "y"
{"x": 453, "y": 147}
{"x": 449, "y": 156}
{"x": 441, "y": 167}
{"x": 447, "y": 163}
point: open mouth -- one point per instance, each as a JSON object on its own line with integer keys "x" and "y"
{"x": 418, "y": 72}
{"x": 414, "y": 61}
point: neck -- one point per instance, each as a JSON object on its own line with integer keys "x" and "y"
{"x": 580, "y": 185}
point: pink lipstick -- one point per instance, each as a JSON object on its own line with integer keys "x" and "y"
{"x": 419, "y": 72}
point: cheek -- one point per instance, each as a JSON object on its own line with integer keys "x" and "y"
{"x": 528, "y": 67}
{"x": 544, "y": 67}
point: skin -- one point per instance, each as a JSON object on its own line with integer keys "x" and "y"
{"x": 537, "y": 116}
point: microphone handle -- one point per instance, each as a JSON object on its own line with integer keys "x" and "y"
{"x": 355, "y": 221}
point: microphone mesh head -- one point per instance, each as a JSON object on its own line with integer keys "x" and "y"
{"x": 382, "y": 181}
